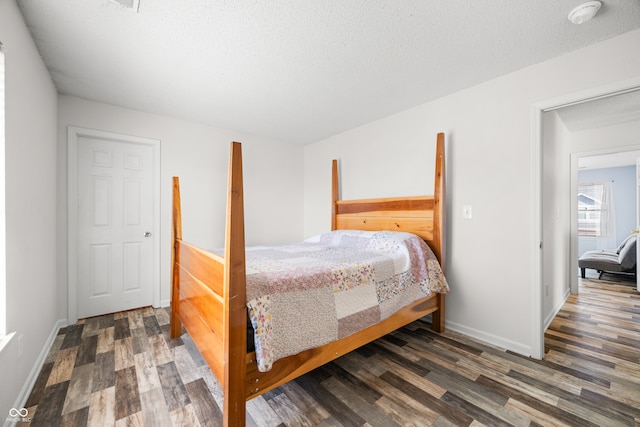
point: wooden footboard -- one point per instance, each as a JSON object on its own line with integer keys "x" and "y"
{"x": 209, "y": 294}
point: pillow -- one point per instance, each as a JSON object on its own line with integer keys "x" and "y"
{"x": 627, "y": 257}
{"x": 624, "y": 242}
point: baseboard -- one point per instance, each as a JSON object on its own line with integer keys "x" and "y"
{"x": 494, "y": 340}
{"x": 165, "y": 303}
{"x": 556, "y": 309}
{"x": 21, "y": 400}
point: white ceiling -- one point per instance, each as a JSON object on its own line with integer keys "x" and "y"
{"x": 602, "y": 112}
{"x": 299, "y": 70}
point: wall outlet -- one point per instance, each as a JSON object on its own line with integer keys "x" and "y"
{"x": 546, "y": 290}
{"x": 466, "y": 212}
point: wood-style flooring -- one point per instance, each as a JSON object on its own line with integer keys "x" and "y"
{"x": 124, "y": 370}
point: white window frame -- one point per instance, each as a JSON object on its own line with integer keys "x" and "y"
{"x": 591, "y": 214}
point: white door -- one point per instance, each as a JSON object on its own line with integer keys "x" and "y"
{"x": 116, "y": 224}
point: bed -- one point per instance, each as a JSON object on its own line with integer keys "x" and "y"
{"x": 209, "y": 288}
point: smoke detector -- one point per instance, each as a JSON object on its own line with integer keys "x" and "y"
{"x": 584, "y": 12}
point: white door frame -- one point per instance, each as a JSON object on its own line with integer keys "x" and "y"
{"x": 537, "y": 109}
{"x": 73, "y": 137}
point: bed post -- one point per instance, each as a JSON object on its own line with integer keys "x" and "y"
{"x": 235, "y": 315}
{"x": 439, "y": 226}
{"x": 176, "y": 235}
{"x": 335, "y": 193}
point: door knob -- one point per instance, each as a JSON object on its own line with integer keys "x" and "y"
{"x": 147, "y": 234}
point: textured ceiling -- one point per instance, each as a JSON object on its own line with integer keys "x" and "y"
{"x": 299, "y": 70}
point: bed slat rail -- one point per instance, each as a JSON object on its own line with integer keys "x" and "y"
{"x": 413, "y": 215}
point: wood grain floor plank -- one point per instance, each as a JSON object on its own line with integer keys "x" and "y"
{"x": 151, "y": 326}
{"x": 334, "y": 370}
{"x": 288, "y": 412}
{"x": 104, "y": 374}
{"x": 50, "y": 415}
{"x": 407, "y": 412}
{"x": 185, "y": 364}
{"x": 127, "y": 393}
{"x": 314, "y": 412}
{"x": 185, "y": 416}
{"x": 206, "y": 409}
{"x": 549, "y": 409}
{"x": 412, "y": 377}
{"x": 123, "y": 352}
{"x": 38, "y": 388}
{"x": 361, "y": 406}
{"x": 422, "y": 382}
{"x": 102, "y": 407}
{"x": 87, "y": 350}
{"x": 154, "y": 409}
{"x": 338, "y": 410}
{"x": 477, "y": 413}
{"x": 105, "y": 340}
{"x": 146, "y": 372}
{"x": 91, "y": 327}
{"x": 72, "y": 336}
{"x": 572, "y": 403}
{"x": 261, "y": 413}
{"x": 134, "y": 420}
{"x": 159, "y": 350}
{"x": 79, "y": 391}
{"x": 76, "y": 418}
{"x": 121, "y": 328}
{"x": 173, "y": 389}
{"x": 63, "y": 366}
{"x": 106, "y": 321}
{"x": 135, "y": 318}
{"x": 53, "y": 351}
{"x": 436, "y": 405}
{"x": 139, "y": 340}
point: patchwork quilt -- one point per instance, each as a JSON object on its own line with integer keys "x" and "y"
{"x": 308, "y": 294}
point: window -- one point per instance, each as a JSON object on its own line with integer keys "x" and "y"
{"x": 589, "y": 209}
{"x": 594, "y": 210}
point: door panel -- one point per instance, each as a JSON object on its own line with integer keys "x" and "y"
{"x": 115, "y": 216}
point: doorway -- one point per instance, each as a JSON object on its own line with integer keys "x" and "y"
{"x": 618, "y": 166}
{"x": 539, "y": 289}
{"x": 113, "y": 222}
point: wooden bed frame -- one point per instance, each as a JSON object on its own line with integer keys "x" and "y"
{"x": 209, "y": 296}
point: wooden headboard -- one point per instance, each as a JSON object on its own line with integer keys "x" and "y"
{"x": 420, "y": 215}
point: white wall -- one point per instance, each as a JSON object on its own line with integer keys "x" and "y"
{"x": 488, "y": 132}
{"x": 30, "y": 151}
{"x": 556, "y": 221}
{"x": 199, "y": 155}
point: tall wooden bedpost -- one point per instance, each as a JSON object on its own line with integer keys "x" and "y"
{"x": 176, "y": 234}
{"x": 335, "y": 193}
{"x": 439, "y": 224}
{"x": 439, "y": 190}
{"x": 235, "y": 315}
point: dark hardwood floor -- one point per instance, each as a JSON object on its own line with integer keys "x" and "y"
{"x": 123, "y": 369}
